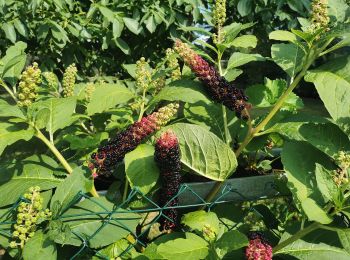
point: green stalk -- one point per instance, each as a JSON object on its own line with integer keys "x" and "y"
{"x": 60, "y": 157}
{"x": 2, "y": 83}
{"x": 296, "y": 236}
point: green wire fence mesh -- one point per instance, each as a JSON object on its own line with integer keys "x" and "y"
{"x": 190, "y": 196}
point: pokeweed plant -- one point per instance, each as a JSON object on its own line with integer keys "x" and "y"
{"x": 212, "y": 123}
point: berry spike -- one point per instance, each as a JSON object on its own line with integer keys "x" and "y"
{"x": 258, "y": 247}
{"x": 219, "y": 89}
{"x": 107, "y": 156}
{"x": 167, "y": 157}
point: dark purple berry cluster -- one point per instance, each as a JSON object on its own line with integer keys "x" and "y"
{"x": 167, "y": 157}
{"x": 258, "y": 247}
{"x": 107, "y": 156}
{"x": 219, "y": 89}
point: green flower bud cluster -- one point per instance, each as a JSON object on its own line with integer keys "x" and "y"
{"x": 28, "y": 85}
{"x": 219, "y": 13}
{"x": 319, "y": 14}
{"x": 143, "y": 74}
{"x": 68, "y": 82}
{"x": 90, "y": 88}
{"x": 51, "y": 79}
{"x": 173, "y": 64}
{"x": 29, "y": 214}
{"x": 341, "y": 175}
{"x": 159, "y": 84}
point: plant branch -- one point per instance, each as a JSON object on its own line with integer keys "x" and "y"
{"x": 2, "y": 83}
{"x": 296, "y": 236}
{"x": 54, "y": 150}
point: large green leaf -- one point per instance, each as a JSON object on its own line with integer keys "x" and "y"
{"x": 67, "y": 191}
{"x": 107, "y": 96}
{"x": 182, "y": 90}
{"x": 204, "y": 153}
{"x": 238, "y": 59}
{"x": 308, "y": 251}
{"x": 326, "y": 137}
{"x": 288, "y": 56}
{"x": 10, "y": 133}
{"x": 54, "y": 113}
{"x": 334, "y": 90}
{"x": 299, "y": 160}
{"x": 7, "y": 110}
{"x": 245, "y": 41}
{"x": 280, "y": 35}
{"x": 39, "y": 247}
{"x": 198, "y": 220}
{"x": 141, "y": 169}
{"x": 325, "y": 183}
{"x": 12, "y": 64}
{"x": 86, "y": 221}
{"x": 190, "y": 248}
{"x": 132, "y": 25}
{"x": 344, "y": 237}
{"x": 229, "y": 241}
{"x": 17, "y": 177}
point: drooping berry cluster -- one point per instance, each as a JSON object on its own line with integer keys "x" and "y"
{"x": 69, "y": 80}
{"x": 109, "y": 155}
{"x": 219, "y": 18}
{"x": 167, "y": 157}
{"x": 341, "y": 175}
{"x": 29, "y": 214}
{"x": 258, "y": 247}
{"x": 90, "y": 88}
{"x": 319, "y": 14}
{"x": 28, "y": 86}
{"x": 51, "y": 79}
{"x": 217, "y": 86}
{"x": 143, "y": 74}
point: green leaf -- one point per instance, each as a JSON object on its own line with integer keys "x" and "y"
{"x": 232, "y": 74}
{"x": 267, "y": 95}
{"x": 107, "y": 96}
{"x": 18, "y": 176}
{"x": 338, "y": 10}
{"x": 107, "y": 13}
{"x": 120, "y": 248}
{"x": 76, "y": 183}
{"x": 97, "y": 227}
{"x": 314, "y": 212}
{"x": 245, "y": 7}
{"x": 204, "y": 153}
{"x": 10, "y": 32}
{"x": 151, "y": 24}
{"x": 10, "y": 133}
{"x": 335, "y": 98}
{"x": 229, "y": 241}
{"x": 12, "y": 64}
{"x": 122, "y": 45}
{"x": 344, "y": 237}
{"x": 308, "y": 251}
{"x": 182, "y": 90}
{"x": 288, "y": 56}
{"x": 325, "y": 183}
{"x": 328, "y": 138}
{"x": 280, "y": 35}
{"x": 39, "y": 247}
{"x": 117, "y": 28}
{"x": 56, "y": 112}
{"x": 245, "y": 41}
{"x": 190, "y": 248}
{"x": 20, "y": 27}
{"x": 141, "y": 169}
{"x": 238, "y": 59}
{"x": 7, "y": 110}
{"x": 132, "y": 25}
{"x": 299, "y": 160}
{"x": 197, "y": 220}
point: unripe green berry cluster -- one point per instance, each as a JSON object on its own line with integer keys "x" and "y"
{"x": 173, "y": 64}
{"x": 219, "y": 13}
{"x": 143, "y": 74}
{"x": 90, "y": 88}
{"x": 319, "y": 14}
{"x": 29, "y": 214}
{"x": 68, "y": 82}
{"x": 51, "y": 79}
{"x": 28, "y": 85}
